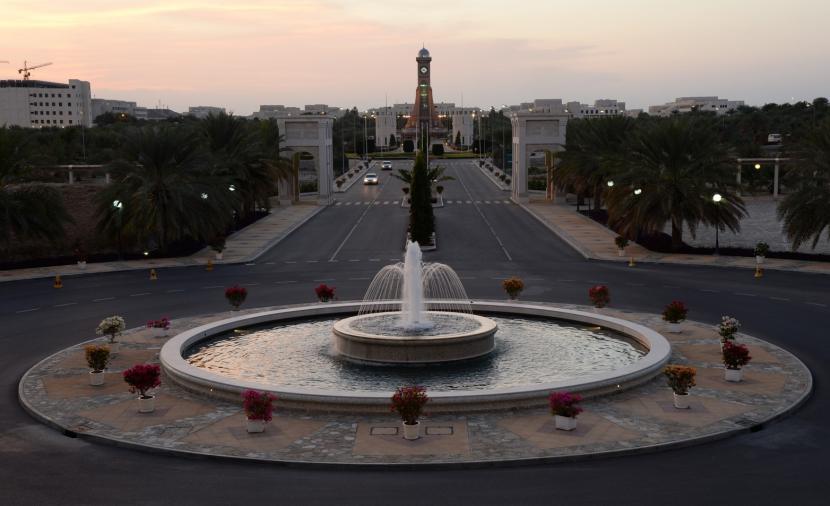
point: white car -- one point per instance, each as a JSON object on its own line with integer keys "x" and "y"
{"x": 370, "y": 178}
{"x": 386, "y": 165}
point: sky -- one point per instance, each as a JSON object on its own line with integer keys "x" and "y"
{"x": 239, "y": 54}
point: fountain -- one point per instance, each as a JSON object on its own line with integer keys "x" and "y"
{"x": 414, "y": 313}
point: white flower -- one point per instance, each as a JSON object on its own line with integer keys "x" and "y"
{"x": 728, "y": 326}
{"x": 111, "y": 326}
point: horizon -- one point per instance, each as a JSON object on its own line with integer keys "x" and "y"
{"x": 361, "y": 54}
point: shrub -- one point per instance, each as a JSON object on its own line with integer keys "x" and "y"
{"x": 437, "y": 149}
{"x": 405, "y": 190}
{"x": 681, "y": 378}
{"x": 236, "y": 295}
{"x": 735, "y": 356}
{"x": 111, "y": 326}
{"x": 675, "y": 312}
{"x": 761, "y": 249}
{"x": 339, "y": 183}
{"x": 258, "y": 405}
{"x": 217, "y": 244}
{"x": 308, "y": 186}
{"x": 621, "y": 242}
{"x": 324, "y": 292}
{"x": 599, "y": 295}
{"x": 507, "y": 181}
{"x": 439, "y": 189}
{"x": 163, "y": 323}
{"x": 408, "y": 146}
{"x": 143, "y": 377}
{"x": 97, "y": 357}
{"x": 408, "y": 403}
{"x": 513, "y": 286}
{"x": 502, "y": 177}
{"x": 565, "y": 404}
{"x": 727, "y": 327}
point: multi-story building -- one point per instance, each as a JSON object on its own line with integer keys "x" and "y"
{"x": 38, "y": 104}
{"x": 203, "y": 111}
{"x": 102, "y": 106}
{"x": 688, "y": 104}
{"x": 601, "y": 108}
{"x": 463, "y": 124}
{"x": 385, "y": 127}
{"x": 155, "y": 113}
{"x": 276, "y": 111}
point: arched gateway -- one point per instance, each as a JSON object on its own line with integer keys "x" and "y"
{"x": 533, "y": 132}
{"x": 312, "y": 135}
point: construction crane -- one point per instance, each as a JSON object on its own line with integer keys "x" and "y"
{"x": 26, "y": 70}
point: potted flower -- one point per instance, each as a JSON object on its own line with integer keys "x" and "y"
{"x": 339, "y": 183}
{"x": 439, "y": 189}
{"x": 142, "y": 378}
{"x": 735, "y": 356}
{"x": 111, "y": 326}
{"x": 681, "y": 379}
{"x": 405, "y": 190}
{"x": 513, "y": 286}
{"x": 761, "y": 250}
{"x": 621, "y": 243}
{"x": 236, "y": 296}
{"x": 564, "y": 407}
{"x": 324, "y": 292}
{"x": 97, "y": 358}
{"x": 160, "y": 326}
{"x": 258, "y": 407}
{"x": 408, "y": 403}
{"x": 727, "y": 328}
{"x": 675, "y": 313}
{"x": 599, "y": 295}
{"x": 217, "y": 244}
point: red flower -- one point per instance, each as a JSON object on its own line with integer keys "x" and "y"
{"x": 324, "y": 292}
{"x": 735, "y": 356}
{"x": 409, "y": 402}
{"x": 599, "y": 295}
{"x": 236, "y": 295}
{"x": 258, "y": 405}
{"x": 143, "y": 377}
{"x": 565, "y": 404}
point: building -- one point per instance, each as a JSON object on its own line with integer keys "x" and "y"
{"x": 203, "y": 111}
{"x": 155, "y": 114}
{"x": 38, "y": 104}
{"x": 463, "y": 121}
{"x": 385, "y": 126}
{"x": 276, "y": 111}
{"x": 102, "y": 106}
{"x": 423, "y": 121}
{"x": 600, "y": 108}
{"x": 323, "y": 109}
{"x": 683, "y": 105}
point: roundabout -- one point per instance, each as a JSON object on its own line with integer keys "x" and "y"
{"x": 197, "y": 416}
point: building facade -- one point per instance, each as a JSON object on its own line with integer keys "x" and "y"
{"x": 683, "y": 105}
{"x": 102, "y": 106}
{"x": 38, "y": 104}
{"x": 203, "y": 111}
{"x": 463, "y": 121}
{"x": 601, "y": 108}
{"x": 385, "y": 127}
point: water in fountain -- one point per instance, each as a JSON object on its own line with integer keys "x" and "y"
{"x": 414, "y": 288}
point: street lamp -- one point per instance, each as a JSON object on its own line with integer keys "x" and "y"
{"x": 638, "y": 191}
{"x": 204, "y": 196}
{"x": 119, "y": 208}
{"x": 716, "y": 198}
{"x": 757, "y": 166}
{"x": 610, "y": 184}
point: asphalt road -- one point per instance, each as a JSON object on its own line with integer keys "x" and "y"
{"x": 344, "y": 246}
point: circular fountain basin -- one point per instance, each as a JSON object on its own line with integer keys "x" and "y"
{"x": 362, "y": 393}
{"x": 380, "y": 339}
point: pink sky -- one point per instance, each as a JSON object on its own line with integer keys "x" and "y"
{"x": 240, "y": 54}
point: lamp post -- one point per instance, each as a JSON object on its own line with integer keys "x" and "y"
{"x": 119, "y": 207}
{"x": 716, "y": 198}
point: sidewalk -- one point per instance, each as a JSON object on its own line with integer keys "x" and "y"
{"x": 596, "y": 242}
{"x": 245, "y": 245}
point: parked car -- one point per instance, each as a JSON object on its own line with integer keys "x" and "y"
{"x": 386, "y": 165}
{"x": 774, "y": 139}
{"x": 370, "y": 178}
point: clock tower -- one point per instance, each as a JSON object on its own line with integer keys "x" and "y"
{"x": 424, "y": 122}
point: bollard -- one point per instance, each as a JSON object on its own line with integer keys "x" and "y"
{"x": 58, "y": 282}
{"x": 153, "y": 275}
{"x": 759, "y": 272}
{"x": 631, "y": 262}
{"x": 209, "y": 266}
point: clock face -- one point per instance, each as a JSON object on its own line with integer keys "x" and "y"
{"x": 423, "y": 70}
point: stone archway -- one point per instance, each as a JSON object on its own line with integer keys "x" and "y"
{"x": 533, "y": 132}
{"x": 311, "y": 135}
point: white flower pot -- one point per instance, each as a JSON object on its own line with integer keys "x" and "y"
{"x": 733, "y": 375}
{"x": 158, "y": 332}
{"x": 411, "y": 432}
{"x": 82, "y": 264}
{"x": 681, "y": 401}
{"x": 565, "y": 422}
{"x": 146, "y": 404}
{"x": 255, "y": 426}
{"x": 759, "y": 259}
{"x": 675, "y": 328}
{"x": 96, "y": 378}
{"x": 219, "y": 255}
{"x": 621, "y": 252}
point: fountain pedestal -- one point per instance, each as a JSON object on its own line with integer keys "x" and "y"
{"x": 356, "y": 340}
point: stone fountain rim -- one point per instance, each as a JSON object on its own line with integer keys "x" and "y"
{"x": 201, "y": 381}
{"x": 485, "y": 325}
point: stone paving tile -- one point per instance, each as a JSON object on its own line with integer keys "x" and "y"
{"x": 644, "y": 416}
{"x": 77, "y": 385}
{"x": 230, "y": 431}
{"x": 430, "y": 442}
{"x": 591, "y": 428}
{"x": 124, "y": 415}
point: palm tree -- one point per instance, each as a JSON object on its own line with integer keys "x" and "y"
{"x": 591, "y": 155}
{"x": 166, "y": 189}
{"x": 271, "y": 141}
{"x": 27, "y": 211}
{"x": 670, "y": 173}
{"x": 434, "y": 175}
{"x": 806, "y": 211}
